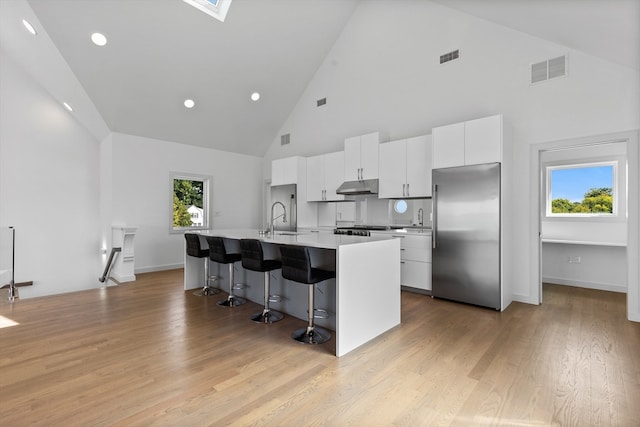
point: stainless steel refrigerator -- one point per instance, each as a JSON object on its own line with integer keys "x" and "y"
{"x": 466, "y": 234}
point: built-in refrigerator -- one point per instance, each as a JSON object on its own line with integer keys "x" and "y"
{"x": 466, "y": 234}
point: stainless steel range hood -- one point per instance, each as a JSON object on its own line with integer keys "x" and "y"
{"x": 366, "y": 186}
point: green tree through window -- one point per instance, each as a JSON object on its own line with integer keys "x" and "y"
{"x": 596, "y": 200}
{"x": 187, "y": 193}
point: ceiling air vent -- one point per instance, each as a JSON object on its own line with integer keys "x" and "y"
{"x": 321, "y": 102}
{"x": 285, "y": 139}
{"x": 450, "y": 56}
{"x": 549, "y": 69}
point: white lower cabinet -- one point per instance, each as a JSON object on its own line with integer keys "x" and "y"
{"x": 415, "y": 259}
{"x": 416, "y": 274}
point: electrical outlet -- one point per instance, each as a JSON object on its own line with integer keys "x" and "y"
{"x": 569, "y": 259}
{"x": 577, "y": 260}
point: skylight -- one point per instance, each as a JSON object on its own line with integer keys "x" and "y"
{"x": 216, "y": 8}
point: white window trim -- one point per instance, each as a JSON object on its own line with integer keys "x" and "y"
{"x": 219, "y": 11}
{"x": 206, "y": 201}
{"x": 619, "y": 207}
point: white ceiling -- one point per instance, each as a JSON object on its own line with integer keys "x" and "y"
{"x": 161, "y": 52}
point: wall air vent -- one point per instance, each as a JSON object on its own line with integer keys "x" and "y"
{"x": 321, "y": 102}
{"x": 285, "y": 139}
{"x": 549, "y": 69}
{"x": 450, "y": 56}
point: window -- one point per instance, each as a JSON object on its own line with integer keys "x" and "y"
{"x": 216, "y": 8}
{"x": 190, "y": 195}
{"x": 582, "y": 190}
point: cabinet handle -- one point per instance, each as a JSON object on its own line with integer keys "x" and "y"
{"x": 403, "y": 190}
{"x": 407, "y": 189}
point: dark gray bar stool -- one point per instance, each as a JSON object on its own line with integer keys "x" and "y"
{"x": 253, "y": 259}
{"x": 296, "y": 266}
{"x": 194, "y": 249}
{"x": 218, "y": 253}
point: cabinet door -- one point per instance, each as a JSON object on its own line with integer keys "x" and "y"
{"x": 333, "y": 175}
{"x": 352, "y": 158}
{"x": 419, "y": 166}
{"x": 369, "y": 155}
{"x": 448, "y": 146}
{"x": 392, "y": 179}
{"x": 284, "y": 171}
{"x": 483, "y": 140}
{"x": 416, "y": 274}
{"x": 315, "y": 178}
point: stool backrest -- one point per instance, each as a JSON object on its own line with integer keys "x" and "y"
{"x": 252, "y": 254}
{"x": 296, "y": 263}
{"x": 217, "y": 252}
{"x": 193, "y": 245}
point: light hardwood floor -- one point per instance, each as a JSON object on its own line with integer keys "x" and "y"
{"x": 148, "y": 353}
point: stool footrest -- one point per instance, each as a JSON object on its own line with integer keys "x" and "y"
{"x": 320, "y": 313}
{"x": 275, "y": 298}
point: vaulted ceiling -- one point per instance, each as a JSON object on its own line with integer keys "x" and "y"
{"x": 161, "y": 52}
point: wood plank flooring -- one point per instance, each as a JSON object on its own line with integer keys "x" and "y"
{"x": 148, "y": 353}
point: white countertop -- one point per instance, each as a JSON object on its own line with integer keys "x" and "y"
{"x": 303, "y": 238}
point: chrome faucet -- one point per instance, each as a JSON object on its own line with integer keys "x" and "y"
{"x": 421, "y": 218}
{"x": 284, "y": 215}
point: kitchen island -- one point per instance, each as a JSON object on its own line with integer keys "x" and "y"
{"x": 363, "y": 301}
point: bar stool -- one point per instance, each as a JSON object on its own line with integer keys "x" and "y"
{"x": 218, "y": 253}
{"x": 253, "y": 259}
{"x": 194, "y": 249}
{"x": 296, "y": 266}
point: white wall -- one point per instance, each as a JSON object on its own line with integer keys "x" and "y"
{"x": 141, "y": 192}
{"x": 594, "y": 267}
{"x": 49, "y": 187}
{"x": 383, "y": 74}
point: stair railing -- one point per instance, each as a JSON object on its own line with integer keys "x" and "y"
{"x": 107, "y": 268}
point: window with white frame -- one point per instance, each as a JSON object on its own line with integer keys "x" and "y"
{"x": 190, "y": 195}
{"x": 584, "y": 190}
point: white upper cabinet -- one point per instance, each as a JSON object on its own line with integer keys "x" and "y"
{"x": 325, "y": 173}
{"x": 334, "y": 175}
{"x": 405, "y": 168}
{"x": 468, "y": 143}
{"x": 361, "y": 157}
{"x": 419, "y": 166}
{"x": 448, "y": 146}
{"x": 483, "y": 140}
{"x": 285, "y": 171}
{"x": 315, "y": 178}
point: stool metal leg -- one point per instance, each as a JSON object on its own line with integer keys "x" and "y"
{"x": 206, "y": 289}
{"x": 232, "y": 300}
{"x": 267, "y": 315}
{"x": 312, "y": 334}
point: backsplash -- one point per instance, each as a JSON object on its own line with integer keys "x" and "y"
{"x": 373, "y": 211}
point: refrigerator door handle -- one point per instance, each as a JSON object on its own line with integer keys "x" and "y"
{"x": 434, "y": 208}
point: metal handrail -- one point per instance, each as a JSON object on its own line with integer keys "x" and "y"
{"x": 107, "y": 267}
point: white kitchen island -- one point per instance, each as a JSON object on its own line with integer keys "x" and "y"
{"x": 365, "y": 296}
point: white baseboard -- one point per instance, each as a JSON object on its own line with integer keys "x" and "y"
{"x": 123, "y": 279}
{"x": 526, "y": 299}
{"x": 155, "y": 268}
{"x": 588, "y": 285}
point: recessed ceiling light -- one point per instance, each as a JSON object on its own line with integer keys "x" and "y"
{"x": 255, "y": 96}
{"x": 98, "y": 39}
{"x": 67, "y": 106}
{"x": 29, "y": 27}
{"x": 189, "y": 103}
